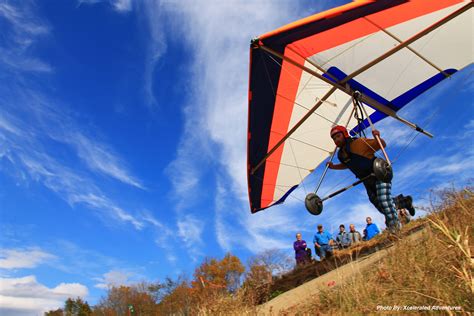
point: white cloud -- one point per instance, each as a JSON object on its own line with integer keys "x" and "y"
{"x": 101, "y": 202}
{"x": 25, "y": 144}
{"x": 153, "y": 11}
{"x": 237, "y": 227}
{"x": 76, "y": 189}
{"x": 357, "y": 213}
{"x": 436, "y": 169}
{"x": 23, "y": 19}
{"x": 84, "y": 263}
{"x": 190, "y": 230}
{"x": 23, "y": 31}
{"x": 9, "y": 126}
{"x": 396, "y": 135}
{"x": 100, "y": 158}
{"x": 113, "y": 278}
{"x": 23, "y": 258}
{"x": 26, "y": 296}
{"x": 216, "y": 116}
{"x": 183, "y": 171}
{"x": 470, "y": 126}
{"x": 122, "y": 5}
{"x": 25, "y": 64}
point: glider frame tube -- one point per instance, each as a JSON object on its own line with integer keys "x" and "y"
{"x": 348, "y": 187}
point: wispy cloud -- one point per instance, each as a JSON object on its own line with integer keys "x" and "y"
{"x": 153, "y": 13}
{"x": 77, "y": 260}
{"x": 184, "y": 172}
{"x": 70, "y": 185}
{"x": 27, "y": 110}
{"x": 100, "y": 158}
{"x": 216, "y": 122}
{"x": 26, "y": 296}
{"x": 190, "y": 231}
{"x": 121, "y": 6}
{"x": 30, "y": 123}
{"x": 23, "y": 30}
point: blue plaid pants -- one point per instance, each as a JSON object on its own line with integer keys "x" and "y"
{"x": 381, "y": 198}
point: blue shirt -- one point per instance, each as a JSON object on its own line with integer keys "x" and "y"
{"x": 322, "y": 238}
{"x": 343, "y": 239}
{"x": 370, "y": 231}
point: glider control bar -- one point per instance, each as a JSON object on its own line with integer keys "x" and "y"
{"x": 346, "y": 188}
{"x": 314, "y": 204}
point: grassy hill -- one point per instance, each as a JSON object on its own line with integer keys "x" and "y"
{"x": 430, "y": 273}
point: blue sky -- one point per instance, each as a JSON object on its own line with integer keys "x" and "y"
{"x": 123, "y": 145}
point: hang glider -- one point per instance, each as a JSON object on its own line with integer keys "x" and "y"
{"x": 303, "y": 77}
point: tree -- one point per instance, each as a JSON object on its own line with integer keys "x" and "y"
{"x": 126, "y": 300}
{"x": 276, "y": 261}
{"x": 257, "y": 283}
{"x": 179, "y": 301}
{"x": 224, "y": 274}
{"x": 76, "y": 307}
{"x": 72, "y": 307}
{"x": 58, "y": 312}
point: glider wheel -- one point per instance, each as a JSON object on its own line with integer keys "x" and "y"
{"x": 382, "y": 170}
{"x": 313, "y": 204}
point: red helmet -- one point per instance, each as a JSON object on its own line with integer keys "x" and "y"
{"x": 340, "y": 129}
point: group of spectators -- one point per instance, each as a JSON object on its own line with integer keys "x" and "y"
{"x": 324, "y": 243}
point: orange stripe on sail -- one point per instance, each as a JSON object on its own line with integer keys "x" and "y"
{"x": 286, "y": 93}
{"x": 350, "y": 31}
{"x": 319, "y": 16}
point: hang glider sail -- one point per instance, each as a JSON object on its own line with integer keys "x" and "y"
{"x": 303, "y": 77}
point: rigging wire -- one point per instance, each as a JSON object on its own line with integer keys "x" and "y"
{"x": 275, "y": 94}
{"x": 430, "y": 119}
{"x": 299, "y": 170}
{"x": 360, "y": 119}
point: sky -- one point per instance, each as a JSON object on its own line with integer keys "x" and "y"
{"x": 123, "y": 145}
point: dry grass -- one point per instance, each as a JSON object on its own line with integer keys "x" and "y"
{"x": 341, "y": 257}
{"x": 228, "y": 305}
{"x": 436, "y": 270}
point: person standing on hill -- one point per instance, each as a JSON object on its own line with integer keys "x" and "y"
{"x": 323, "y": 242}
{"x": 354, "y": 235}
{"x": 342, "y": 238}
{"x": 300, "y": 246}
{"x": 403, "y": 216}
{"x": 370, "y": 230}
{"x": 358, "y": 155}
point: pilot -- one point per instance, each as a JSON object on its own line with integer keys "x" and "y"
{"x": 358, "y": 155}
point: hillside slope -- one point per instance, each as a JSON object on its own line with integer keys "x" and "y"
{"x": 306, "y": 292}
{"x": 423, "y": 270}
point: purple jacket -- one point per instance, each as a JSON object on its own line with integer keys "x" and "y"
{"x": 300, "y": 246}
